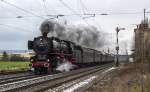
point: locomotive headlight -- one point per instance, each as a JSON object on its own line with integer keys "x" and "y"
{"x": 31, "y": 60}
{"x": 48, "y": 60}
{"x": 58, "y": 57}
{"x": 46, "y": 64}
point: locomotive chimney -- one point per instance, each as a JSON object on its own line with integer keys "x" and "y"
{"x": 46, "y": 27}
{"x": 45, "y": 30}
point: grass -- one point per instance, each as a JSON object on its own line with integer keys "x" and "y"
{"x": 132, "y": 77}
{"x": 13, "y": 66}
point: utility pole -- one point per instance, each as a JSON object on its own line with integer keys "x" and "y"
{"x": 142, "y": 61}
{"x": 117, "y": 47}
{"x": 108, "y": 51}
{"x": 144, "y": 15}
{"x": 143, "y": 51}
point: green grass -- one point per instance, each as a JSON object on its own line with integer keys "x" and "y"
{"x": 12, "y": 66}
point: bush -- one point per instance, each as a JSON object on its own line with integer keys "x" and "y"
{"x": 16, "y": 57}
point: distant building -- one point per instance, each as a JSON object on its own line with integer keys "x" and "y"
{"x": 142, "y": 40}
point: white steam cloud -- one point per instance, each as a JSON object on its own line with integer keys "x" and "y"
{"x": 66, "y": 66}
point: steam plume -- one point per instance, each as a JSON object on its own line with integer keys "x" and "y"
{"x": 66, "y": 66}
{"x": 88, "y": 36}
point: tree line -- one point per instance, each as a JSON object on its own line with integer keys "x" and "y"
{"x": 12, "y": 57}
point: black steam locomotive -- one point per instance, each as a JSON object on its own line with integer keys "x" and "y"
{"x": 51, "y": 52}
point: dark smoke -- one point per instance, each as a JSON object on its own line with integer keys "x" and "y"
{"x": 88, "y": 36}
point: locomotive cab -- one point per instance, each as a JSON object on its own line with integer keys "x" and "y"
{"x": 68, "y": 48}
{"x": 64, "y": 47}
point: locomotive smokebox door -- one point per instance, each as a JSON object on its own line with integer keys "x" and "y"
{"x": 30, "y": 45}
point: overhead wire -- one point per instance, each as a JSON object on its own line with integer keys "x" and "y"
{"x": 57, "y": 14}
{"x": 39, "y": 4}
{"x": 82, "y": 4}
{"x": 89, "y": 14}
{"x": 13, "y": 5}
{"x": 15, "y": 17}
{"x": 22, "y": 17}
{"x": 84, "y": 8}
{"x": 46, "y": 10}
{"x": 72, "y": 10}
{"x": 7, "y": 9}
{"x": 34, "y": 15}
{"x": 87, "y": 11}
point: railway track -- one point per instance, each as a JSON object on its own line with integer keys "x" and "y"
{"x": 55, "y": 81}
{"x": 78, "y": 83}
{"x": 9, "y": 76}
{"x": 14, "y": 72}
{"x": 17, "y": 78}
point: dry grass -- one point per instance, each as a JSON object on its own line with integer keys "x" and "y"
{"x": 132, "y": 77}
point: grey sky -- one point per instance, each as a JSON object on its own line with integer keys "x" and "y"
{"x": 14, "y": 32}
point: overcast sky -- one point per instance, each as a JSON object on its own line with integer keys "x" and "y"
{"x": 14, "y": 32}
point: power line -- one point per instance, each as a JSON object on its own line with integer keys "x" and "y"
{"x": 21, "y": 8}
{"x": 73, "y": 11}
{"x": 17, "y": 15}
{"x": 88, "y": 15}
{"x": 83, "y": 5}
{"x": 69, "y": 8}
{"x": 39, "y": 3}
{"x": 7, "y": 9}
{"x": 46, "y": 10}
{"x": 57, "y": 14}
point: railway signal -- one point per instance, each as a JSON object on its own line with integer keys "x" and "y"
{"x": 117, "y": 47}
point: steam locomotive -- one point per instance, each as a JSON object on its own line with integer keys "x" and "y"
{"x": 51, "y": 52}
